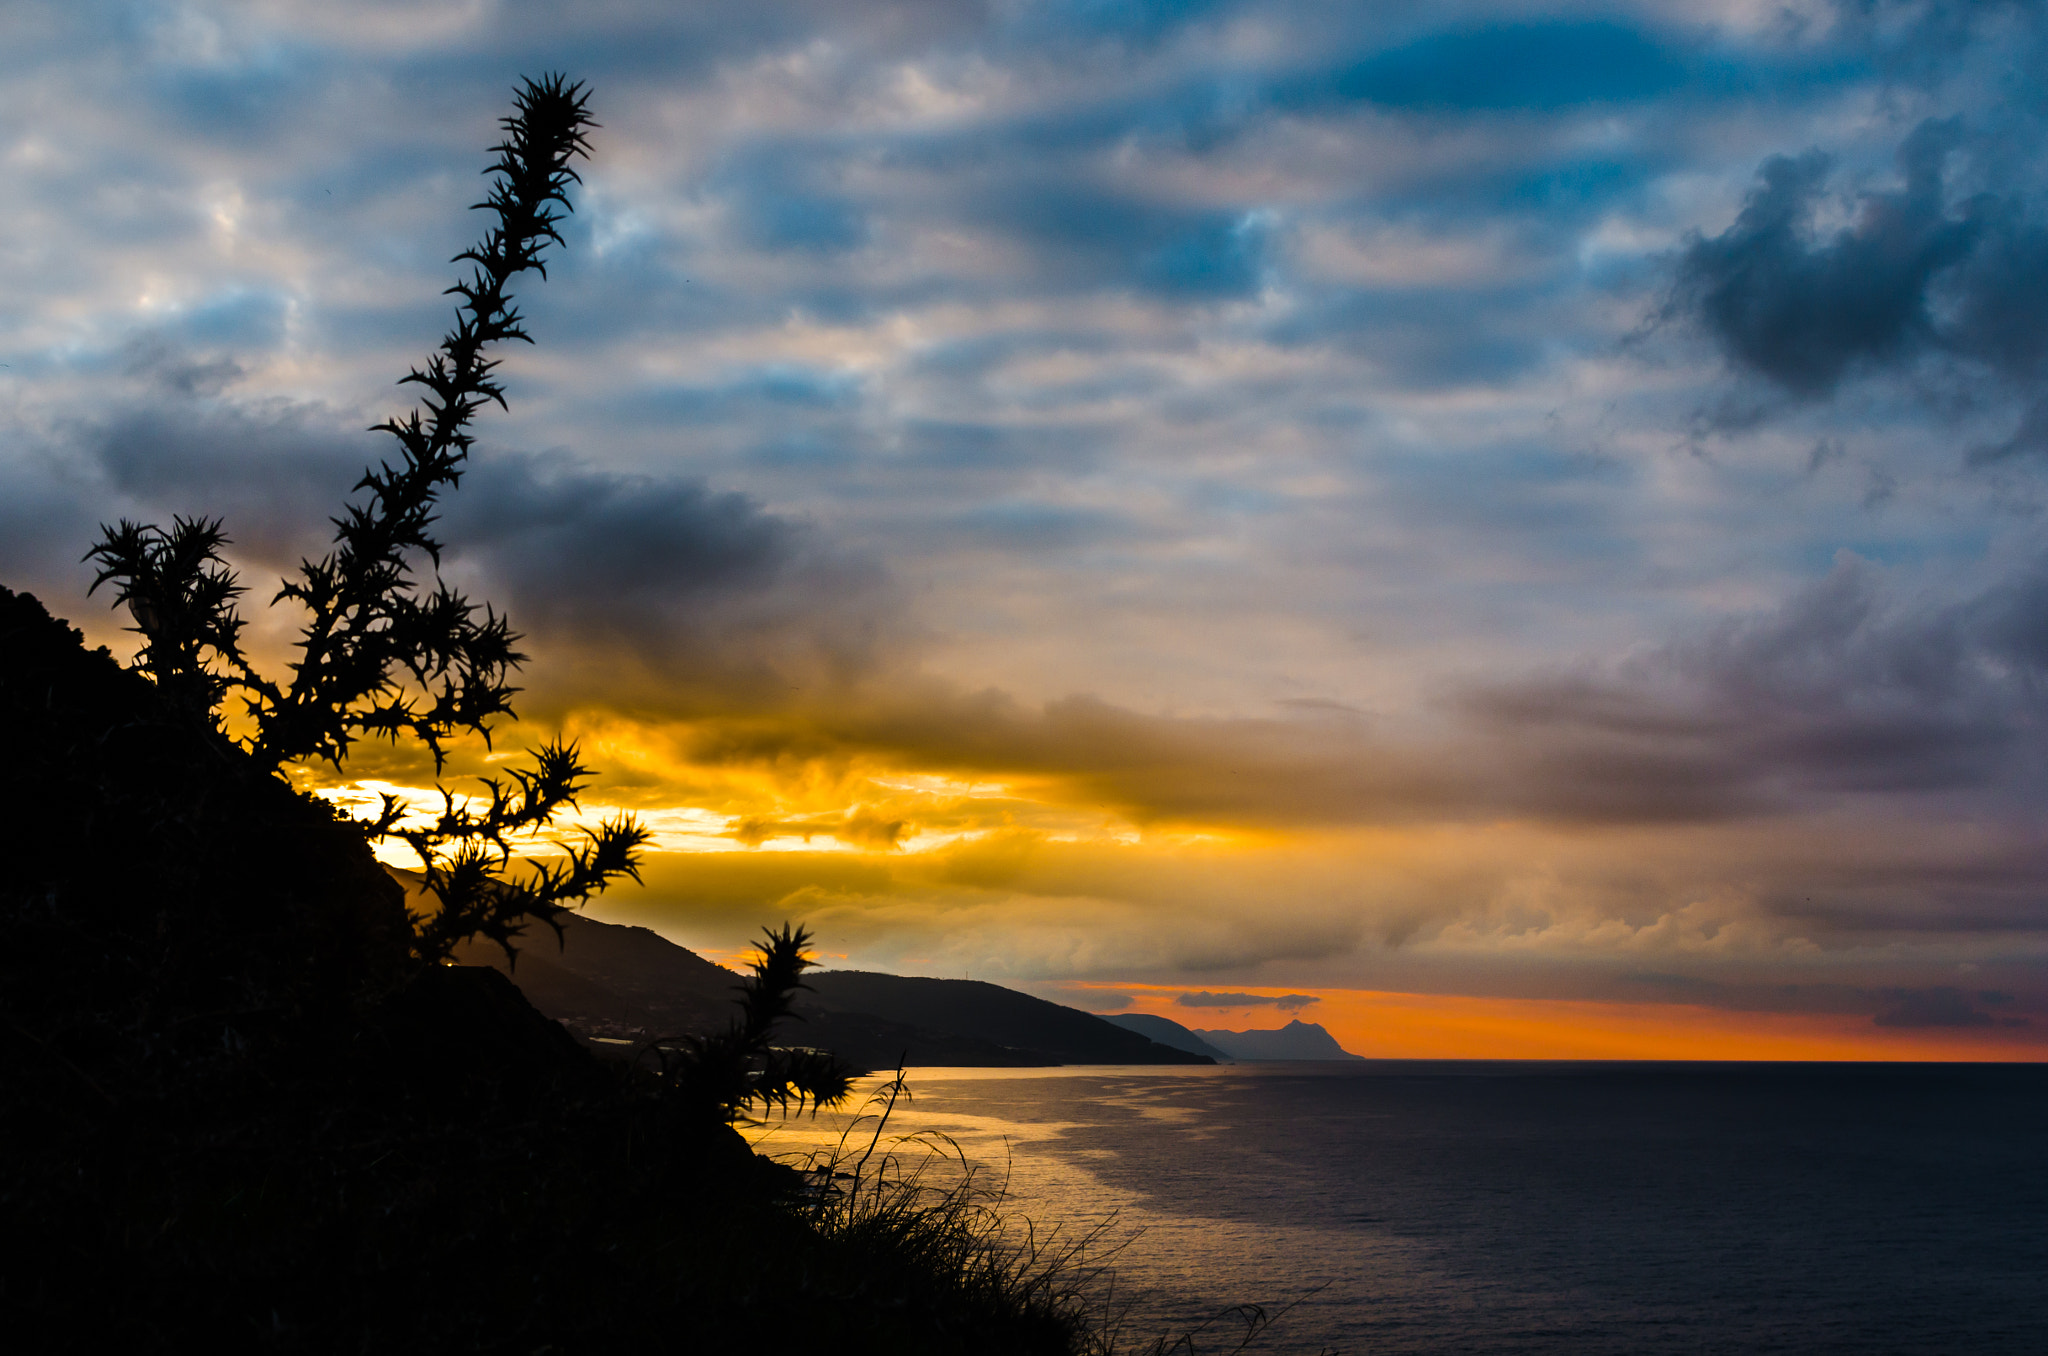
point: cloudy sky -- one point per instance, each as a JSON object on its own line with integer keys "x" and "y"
{"x": 1502, "y": 529}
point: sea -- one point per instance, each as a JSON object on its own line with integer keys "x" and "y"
{"x": 1477, "y": 1207}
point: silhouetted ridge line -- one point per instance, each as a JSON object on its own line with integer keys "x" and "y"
{"x": 983, "y": 1011}
{"x": 1296, "y": 1040}
{"x": 1165, "y": 1031}
{"x": 615, "y": 982}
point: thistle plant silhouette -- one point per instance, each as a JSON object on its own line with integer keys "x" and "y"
{"x": 384, "y": 652}
{"x": 240, "y": 1083}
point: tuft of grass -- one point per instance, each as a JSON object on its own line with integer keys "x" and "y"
{"x": 932, "y": 1212}
{"x": 944, "y": 1216}
{"x": 922, "y": 1209}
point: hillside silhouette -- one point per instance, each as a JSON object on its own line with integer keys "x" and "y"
{"x": 608, "y": 980}
{"x": 989, "y": 1012}
{"x": 235, "y": 1095}
{"x": 613, "y": 982}
{"x": 1166, "y": 1031}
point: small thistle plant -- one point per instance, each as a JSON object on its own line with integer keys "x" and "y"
{"x": 727, "y": 1074}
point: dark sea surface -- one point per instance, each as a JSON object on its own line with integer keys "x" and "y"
{"x": 1466, "y": 1207}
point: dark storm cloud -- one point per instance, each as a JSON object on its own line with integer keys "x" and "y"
{"x": 1944, "y": 1007}
{"x": 1802, "y": 311}
{"x": 2001, "y": 303}
{"x": 1847, "y": 695}
{"x": 614, "y": 575}
{"x": 1293, "y": 1002}
{"x": 169, "y": 432}
{"x": 1921, "y": 271}
{"x": 583, "y": 543}
{"x": 707, "y": 590}
{"x": 273, "y": 470}
{"x": 1844, "y": 691}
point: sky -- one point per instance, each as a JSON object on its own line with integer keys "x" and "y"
{"x": 1502, "y": 529}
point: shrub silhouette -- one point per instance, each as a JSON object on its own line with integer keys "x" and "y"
{"x": 383, "y": 653}
{"x": 726, "y": 1073}
{"x": 378, "y": 655}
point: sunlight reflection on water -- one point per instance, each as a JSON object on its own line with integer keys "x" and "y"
{"x": 1169, "y": 1272}
{"x": 1529, "y": 1208}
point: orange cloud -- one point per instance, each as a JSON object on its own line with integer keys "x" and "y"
{"x": 860, "y": 826}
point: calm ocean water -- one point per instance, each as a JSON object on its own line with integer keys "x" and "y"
{"x": 1537, "y": 1208}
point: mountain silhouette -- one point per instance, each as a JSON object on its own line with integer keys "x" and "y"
{"x": 989, "y": 1012}
{"x": 611, "y": 982}
{"x": 1166, "y": 1031}
{"x": 1296, "y": 1040}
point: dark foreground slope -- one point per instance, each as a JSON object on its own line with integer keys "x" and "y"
{"x": 239, "y": 1116}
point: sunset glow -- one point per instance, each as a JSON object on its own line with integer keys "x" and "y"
{"x": 1441, "y": 1026}
{"x": 1524, "y": 527}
